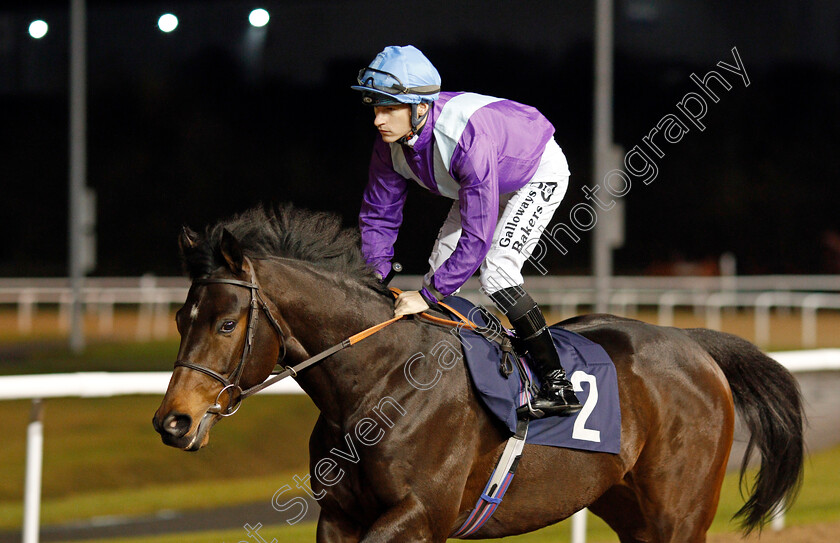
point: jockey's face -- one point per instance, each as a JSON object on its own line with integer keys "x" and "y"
{"x": 394, "y": 121}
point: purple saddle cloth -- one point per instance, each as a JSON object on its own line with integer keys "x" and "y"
{"x": 596, "y": 427}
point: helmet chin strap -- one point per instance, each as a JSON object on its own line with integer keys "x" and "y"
{"x": 415, "y": 125}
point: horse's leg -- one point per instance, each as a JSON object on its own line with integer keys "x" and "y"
{"x": 620, "y": 508}
{"x": 678, "y": 482}
{"x": 680, "y": 507}
{"x": 408, "y": 521}
{"x": 335, "y": 527}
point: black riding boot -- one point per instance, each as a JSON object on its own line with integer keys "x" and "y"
{"x": 557, "y": 396}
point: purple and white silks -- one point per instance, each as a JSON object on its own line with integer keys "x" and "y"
{"x": 473, "y": 149}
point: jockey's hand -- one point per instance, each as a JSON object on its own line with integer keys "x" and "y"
{"x": 410, "y": 302}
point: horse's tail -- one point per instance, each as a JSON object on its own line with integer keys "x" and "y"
{"x": 769, "y": 401}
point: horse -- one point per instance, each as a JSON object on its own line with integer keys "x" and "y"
{"x": 286, "y": 283}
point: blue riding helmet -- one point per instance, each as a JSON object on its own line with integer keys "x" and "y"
{"x": 398, "y": 75}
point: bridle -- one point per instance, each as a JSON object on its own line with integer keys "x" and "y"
{"x": 232, "y": 381}
{"x": 258, "y": 303}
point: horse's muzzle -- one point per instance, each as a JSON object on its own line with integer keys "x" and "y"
{"x": 175, "y": 427}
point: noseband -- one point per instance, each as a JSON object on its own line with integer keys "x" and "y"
{"x": 231, "y": 382}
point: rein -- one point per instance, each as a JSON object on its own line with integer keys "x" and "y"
{"x": 465, "y": 322}
{"x": 293, "y": 370}
{"x": 258, "y": 303}
{"x": 349, "y": 342}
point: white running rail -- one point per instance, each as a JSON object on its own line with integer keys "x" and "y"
{"x": 104, "y": 384}
{"x": 155, "y": 296}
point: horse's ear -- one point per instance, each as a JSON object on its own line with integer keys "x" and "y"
{"x": 231, "y": 251}
{"x": 188, "y": 240}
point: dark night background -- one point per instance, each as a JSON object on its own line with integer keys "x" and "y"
{"x": 193, "y": 126}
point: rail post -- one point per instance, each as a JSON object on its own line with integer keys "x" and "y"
{"x": 579, "y": 527}
{"x": 26, "y": 310}
{"x": 810, "y": 305}
{"x": 778, "y": 522}
{"x": 34, "y": 466}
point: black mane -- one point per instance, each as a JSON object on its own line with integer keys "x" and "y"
{"x": 289, "y": 232}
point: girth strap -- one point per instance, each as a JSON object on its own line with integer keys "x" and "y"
{"x": 498, "y": 484}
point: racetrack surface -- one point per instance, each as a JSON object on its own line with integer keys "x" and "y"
{"x": 814, "y": 533}
{"x": 166, "y": 522}
{"x": 822, "y": 403}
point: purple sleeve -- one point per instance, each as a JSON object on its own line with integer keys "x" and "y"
{"x": 382, "y": 209}
{"x": 478, "y": 200}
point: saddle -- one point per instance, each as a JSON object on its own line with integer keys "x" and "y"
{"x": 504, "y": 382}
{"x": 488, "y": 326}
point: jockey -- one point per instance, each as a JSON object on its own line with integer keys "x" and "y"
{"x": 498, "y": 160}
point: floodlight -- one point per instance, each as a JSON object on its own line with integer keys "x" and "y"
{"x": 167, "y": 22}
{"x": 258, "y": 18}
{"x": 38, "y": 29}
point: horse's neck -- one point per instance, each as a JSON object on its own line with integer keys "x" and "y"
{"x": 321, "y": 310}
{"x": 324, "y": 308}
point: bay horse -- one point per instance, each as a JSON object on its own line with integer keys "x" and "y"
{"x": 287, "y": 283}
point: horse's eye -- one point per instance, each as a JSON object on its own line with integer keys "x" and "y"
{"x": 227, "y": 327}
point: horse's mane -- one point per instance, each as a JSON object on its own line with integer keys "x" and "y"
{"x": 289, "y": 232}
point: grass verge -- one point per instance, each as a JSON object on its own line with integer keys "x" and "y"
{"x": 104, "y": 453}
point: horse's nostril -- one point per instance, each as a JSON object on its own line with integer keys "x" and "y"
{"x": 177, "y": 424}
